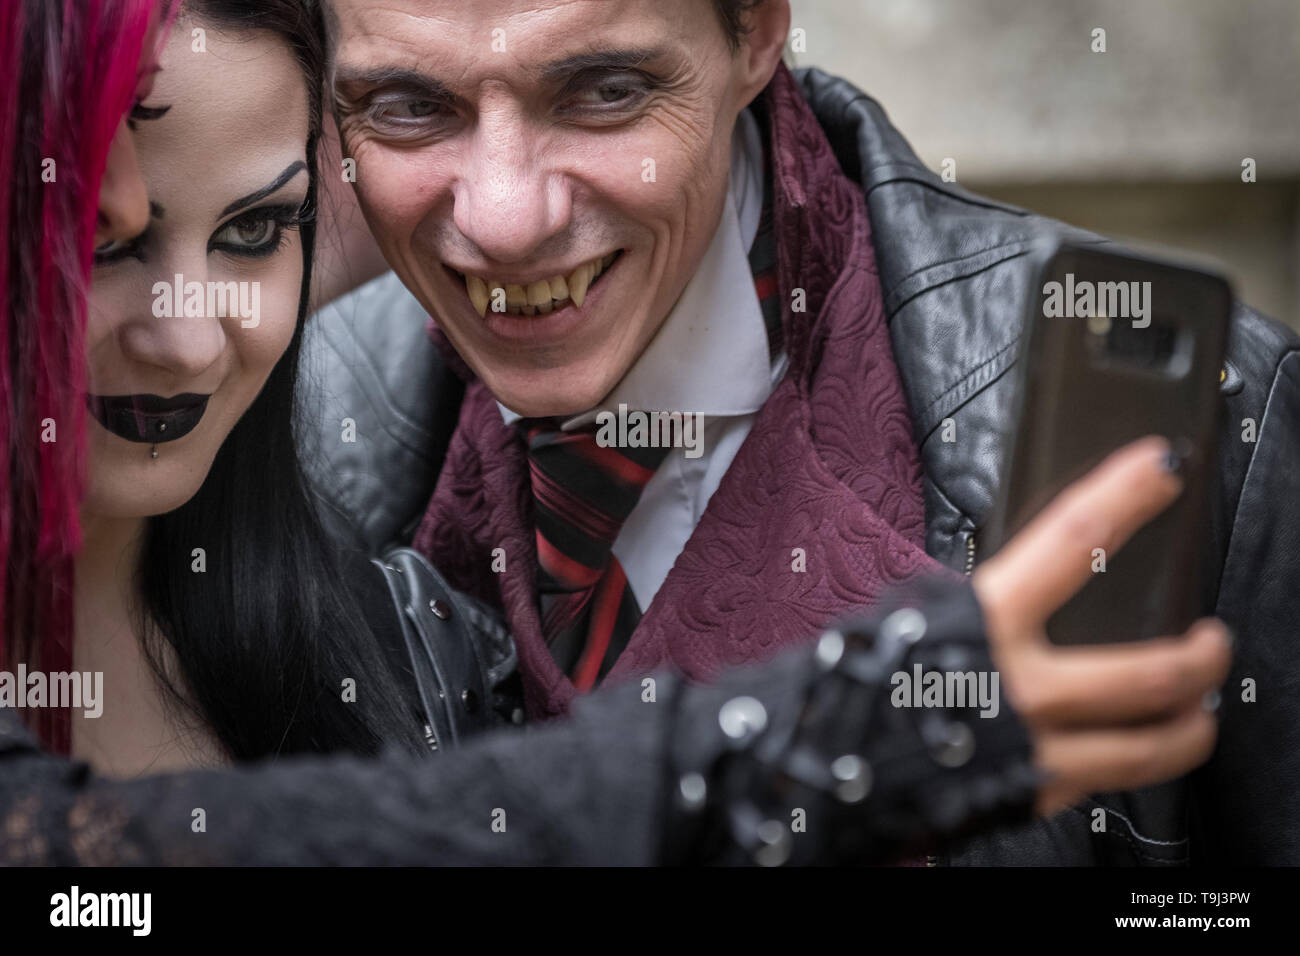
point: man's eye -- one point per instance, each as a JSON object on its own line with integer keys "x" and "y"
{"x": 399, "y": 110}
{"x": 610, "y": 93}
{"x": 419, "y": 108}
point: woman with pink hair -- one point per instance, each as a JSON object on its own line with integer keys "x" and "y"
{"x": 74, "y": 71}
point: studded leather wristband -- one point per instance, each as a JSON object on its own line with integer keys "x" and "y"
{"x": 887, "y": 738}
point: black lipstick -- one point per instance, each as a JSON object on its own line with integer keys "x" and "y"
{"x": 148, "y": 418}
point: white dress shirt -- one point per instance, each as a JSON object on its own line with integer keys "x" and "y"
{"x": 710, "y": 356}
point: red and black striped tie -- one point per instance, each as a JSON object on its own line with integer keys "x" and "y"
{"x": 582, "y": 494}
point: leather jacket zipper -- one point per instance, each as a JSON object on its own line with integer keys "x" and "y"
{"x": 970, "y": 567}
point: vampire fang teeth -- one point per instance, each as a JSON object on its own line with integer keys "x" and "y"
{"x": 540, "y": 297}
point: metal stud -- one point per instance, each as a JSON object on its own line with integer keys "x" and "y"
{"x": 853, "y": 776}
{"x": 905, "y": 624}
{"x": 440, "y": 609}
{"x": 742, "y": 718}
{"x": 830, "y": 649}
{"x": 692, "y": 789}
{"x": 955, "y": 747}
{"x": 777, "y": 842}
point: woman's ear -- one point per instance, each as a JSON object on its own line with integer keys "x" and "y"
{"x": 123, "y": 199}
{"x": 766, "y": 27}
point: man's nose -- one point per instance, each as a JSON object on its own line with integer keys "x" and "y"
{"x": 510, "y": 199}
{"x": 123, "y": 200}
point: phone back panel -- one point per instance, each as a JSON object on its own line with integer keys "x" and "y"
{"x": 1118, "y": 347}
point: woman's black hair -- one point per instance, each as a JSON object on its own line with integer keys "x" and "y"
{"x": 267, "y": 635}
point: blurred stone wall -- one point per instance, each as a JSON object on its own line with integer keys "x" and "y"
{"x": 1144, "y": 141}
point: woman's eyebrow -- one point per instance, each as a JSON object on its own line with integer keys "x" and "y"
{"x": 290, "y": 171}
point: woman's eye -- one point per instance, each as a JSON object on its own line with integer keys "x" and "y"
{"x": 116, "y": 250}
{"x": 252, "y": 233}
{"x": 256, "y": 234}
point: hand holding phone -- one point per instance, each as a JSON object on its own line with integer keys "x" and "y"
{"x": 1111, "y": 717}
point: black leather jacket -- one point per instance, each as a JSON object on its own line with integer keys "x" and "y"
{"x": 952, "y": 270}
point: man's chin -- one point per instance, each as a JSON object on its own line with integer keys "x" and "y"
{"x": 560, "y": 393}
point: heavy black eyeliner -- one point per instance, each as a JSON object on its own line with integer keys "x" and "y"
{"x": 286, "y": 216}
{"x": 142, "y": 114}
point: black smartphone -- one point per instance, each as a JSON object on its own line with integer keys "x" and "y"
{"x": 1118, "y": 346}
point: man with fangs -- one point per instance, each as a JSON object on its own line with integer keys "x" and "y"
{"x": 636, "y": 203}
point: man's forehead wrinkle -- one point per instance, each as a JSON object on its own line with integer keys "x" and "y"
{"x": 370, "y": 13}
{"x": 430, "y": 18}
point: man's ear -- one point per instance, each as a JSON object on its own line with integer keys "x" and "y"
{"x": 766, "y": 27}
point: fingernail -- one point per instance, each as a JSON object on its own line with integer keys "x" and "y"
{"x": 1175, "y": 462}
{"x": 1211, "y": 700}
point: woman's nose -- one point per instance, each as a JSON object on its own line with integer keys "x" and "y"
{"x": 123, "y": 200}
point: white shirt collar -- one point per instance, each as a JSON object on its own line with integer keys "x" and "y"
{"x": 711, "y": 354}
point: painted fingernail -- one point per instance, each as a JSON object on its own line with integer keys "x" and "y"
{"x": 1180, "y": 450}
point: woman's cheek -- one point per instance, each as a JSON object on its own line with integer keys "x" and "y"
{"x": 262, "y": 340}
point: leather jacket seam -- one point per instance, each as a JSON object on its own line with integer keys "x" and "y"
{"x": 1135, "y": 840}
{"x": 928, "y": 178}
{"x": 1133, "y": 830}
{"x": 964, "y": 521}
{"x": 928, "y": 181}
{"x": 1250, "y": 467}
{"x": 924, "y": 280}
{"x": 970, "y": 373}
{"x": 1021, "y": 241}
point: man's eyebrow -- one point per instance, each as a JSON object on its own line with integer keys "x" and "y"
{"x": 391, "y": 76}
{"x": 616, "y": 59}
{"x": 290, "y": 171}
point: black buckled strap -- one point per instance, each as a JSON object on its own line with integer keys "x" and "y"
{"x": 462, "y": 656}
{"x": 830, "y": 762}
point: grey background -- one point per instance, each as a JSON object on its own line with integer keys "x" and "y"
{"x": 1144, "y": 142}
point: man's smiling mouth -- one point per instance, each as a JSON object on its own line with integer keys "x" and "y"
{"x": 535, "y": 298}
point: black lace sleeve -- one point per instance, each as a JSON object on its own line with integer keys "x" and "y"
{"x": 805, "y": 759}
